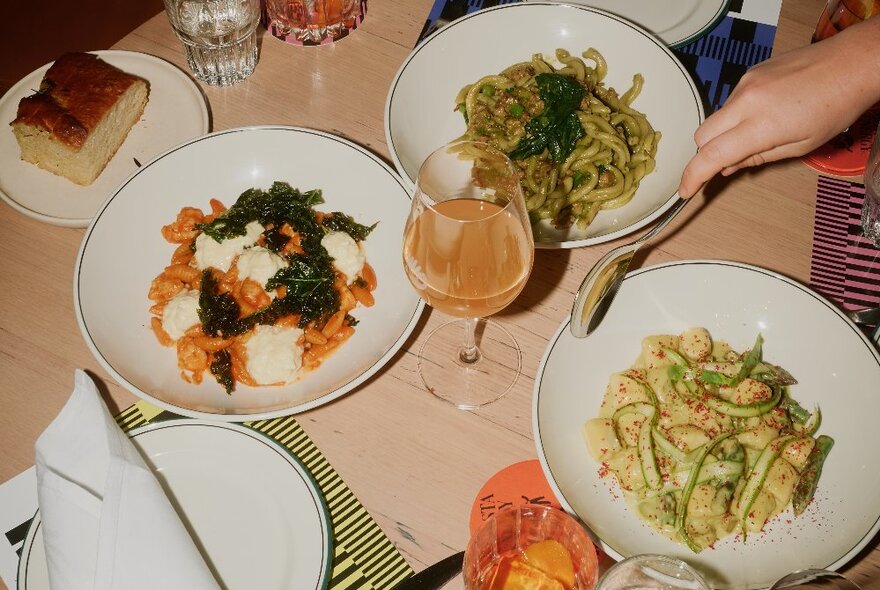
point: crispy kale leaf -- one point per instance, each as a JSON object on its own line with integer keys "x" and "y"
{"x": 280, "y": 204}
{"x": 218, "y": 312}
{"x": 342, "y": 222}
{"x": 309, "y": 281}
{"x": 221, "y": 368}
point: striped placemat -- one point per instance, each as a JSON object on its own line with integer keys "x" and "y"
{"x": 716, "y": 61}
{"x": 364, "y": 557}
{"x": 845, "y": 266}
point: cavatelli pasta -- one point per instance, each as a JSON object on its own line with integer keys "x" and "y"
{"x": 211, "y": 314}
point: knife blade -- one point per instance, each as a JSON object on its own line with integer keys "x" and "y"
{"x": 434, "y": 576}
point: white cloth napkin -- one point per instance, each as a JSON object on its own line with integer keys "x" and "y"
{"x": 106, "y": 521}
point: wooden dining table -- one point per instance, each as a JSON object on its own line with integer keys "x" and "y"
{"x": 415, "y": 462}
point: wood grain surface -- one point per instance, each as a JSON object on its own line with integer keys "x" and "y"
{"x": 415, "y": 462}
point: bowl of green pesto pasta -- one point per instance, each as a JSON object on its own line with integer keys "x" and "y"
{"x": 597, "y": 114}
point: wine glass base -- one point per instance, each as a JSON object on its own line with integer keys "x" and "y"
{"x": 465, "y": 385}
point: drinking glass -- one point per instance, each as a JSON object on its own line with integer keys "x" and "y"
{"x": 659, "y": 572}
{"x": 839, "y": 14}
{"x": 814, "y": 580}
{"x": 312, "y": 20}
{"x": 468, "y": 251}
{"x": 871, "y": 206}
{"x": 219, "y": 37}
{"x": 518, "y": 547}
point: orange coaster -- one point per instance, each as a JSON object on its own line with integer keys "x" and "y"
{"x": 847, "y": 154}
{"x": 520, "y": 483}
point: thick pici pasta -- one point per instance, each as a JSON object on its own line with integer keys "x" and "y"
{"x": 580, "y": 145}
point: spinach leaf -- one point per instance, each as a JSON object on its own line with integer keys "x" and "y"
{"x": 342, "y": 222}
{"x": 557, "y": 128}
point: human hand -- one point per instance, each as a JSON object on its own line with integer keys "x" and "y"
{"x": 789, "y": 105}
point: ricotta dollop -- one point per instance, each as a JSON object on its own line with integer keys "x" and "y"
{"x": 211, "y": 253}
{"x": 348, "y": 257}
{"x": 273, "y": 355}
{"x": 259, "y": 264}
{"x": 181, "y": 313}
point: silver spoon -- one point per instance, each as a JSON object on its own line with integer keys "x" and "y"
{"x": 814, "y": 580}
{"x": 599, "y": 287}
{"x": 869, "y": 316}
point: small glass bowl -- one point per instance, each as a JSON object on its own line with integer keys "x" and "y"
{"x": 652, "y": 571}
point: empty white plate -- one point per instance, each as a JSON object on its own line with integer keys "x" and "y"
{"x": 253, "y": 509}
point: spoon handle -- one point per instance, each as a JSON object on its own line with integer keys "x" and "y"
{"x": 664, "y": 221}
{"x": 599, "y": 287}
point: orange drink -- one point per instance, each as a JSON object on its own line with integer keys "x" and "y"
{"x": 530, "y": 548}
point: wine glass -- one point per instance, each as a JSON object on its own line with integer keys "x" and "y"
{"x": 468, "y": 251}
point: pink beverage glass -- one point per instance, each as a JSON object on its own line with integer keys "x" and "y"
{"x": 511, "y": 531}
{"x": 312, "y": 21}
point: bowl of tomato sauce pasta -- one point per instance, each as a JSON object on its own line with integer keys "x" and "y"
{"x": 597, "y": 114}
{"x": 267, "y": 280}
{"x": 723, "y": 415}
{"x": 260, "y": 293}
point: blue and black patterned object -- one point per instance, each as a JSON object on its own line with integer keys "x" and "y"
{"x": 719, "y": 59}
{"x": 716, "y": 61}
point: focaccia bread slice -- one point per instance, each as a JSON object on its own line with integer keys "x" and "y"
{"x": 80, "y": 116}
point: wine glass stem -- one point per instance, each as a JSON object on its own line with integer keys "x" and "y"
{"x": 469, "y": 353}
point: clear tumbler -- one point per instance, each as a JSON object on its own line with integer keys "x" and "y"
{"x": 219, "y": 36}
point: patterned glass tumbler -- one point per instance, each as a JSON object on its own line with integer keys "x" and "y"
{"x": 313, "y": 22}
{"x": 871, "y": 208}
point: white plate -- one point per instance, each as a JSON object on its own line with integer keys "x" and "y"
{"x": 676, "y": 22}
{"x": 419, "y": 116}
{"x": 256, "y": 512}
{"x": 123, "y": 250}
{"x": 835, "y": 364}
{"x": 176, "y": 111}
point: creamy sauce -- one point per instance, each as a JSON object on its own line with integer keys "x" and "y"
{"x": 273, "y": 355}
{"x": 348, "y": 257}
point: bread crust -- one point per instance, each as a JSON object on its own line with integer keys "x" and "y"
{"x": 77, "y": 91}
